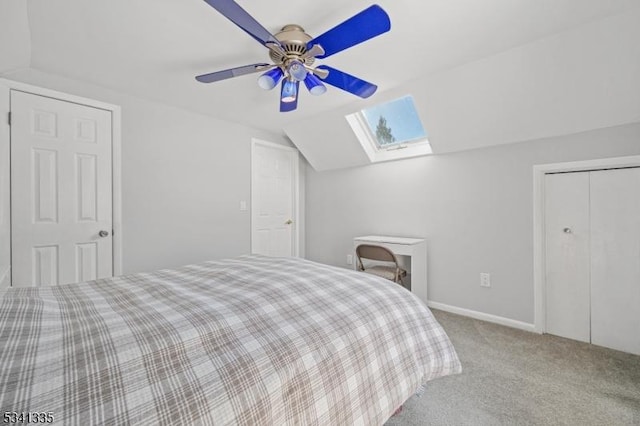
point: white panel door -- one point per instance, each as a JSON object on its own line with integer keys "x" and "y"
{"x": 60, "y": 191}
{"x": 273, "y": 198}
{"x": 567, "y": 255}
{"x": 615, "y": 259}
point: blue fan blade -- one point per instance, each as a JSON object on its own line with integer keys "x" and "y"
{"x": 230, "y": 73}
{"x": 367, "y": 24}
{"x": 348, "y": 83}
{"x": 241, "y": 18}
{"x": 290, "y": 106}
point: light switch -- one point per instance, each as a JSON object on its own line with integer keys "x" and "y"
{"x": 243, "y": 206}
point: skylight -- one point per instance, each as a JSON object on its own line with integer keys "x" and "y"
{"x": 390, "y": 131}
{"x": 395, "y": 122}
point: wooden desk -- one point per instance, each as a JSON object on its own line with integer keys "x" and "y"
{"x": 414, "y": 248}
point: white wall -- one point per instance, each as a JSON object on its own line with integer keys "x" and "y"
{"x": 475, "y": 208}
{"x": 15, "y": 38}
{"x": 15, "y": 53}
{"x": 183, "y": 176}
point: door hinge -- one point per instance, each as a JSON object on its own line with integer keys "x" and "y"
{"x": 9, "y": 118}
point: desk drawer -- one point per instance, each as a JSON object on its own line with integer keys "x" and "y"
{"x": 401, "y": 249}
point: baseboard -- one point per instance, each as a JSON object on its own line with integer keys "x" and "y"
{"x": 483, "y": 316}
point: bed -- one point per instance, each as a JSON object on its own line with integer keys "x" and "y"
{"x": 251, "y": 340}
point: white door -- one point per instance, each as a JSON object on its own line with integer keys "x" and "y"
{"x": 592, "y": 246}
{"x": 273, "y": 199}
{"x": 61, "y": 191}
{"x": 567, "y": 255}
{"x": 615, "y": 259}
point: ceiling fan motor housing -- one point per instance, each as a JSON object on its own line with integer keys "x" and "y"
{"x": 294, "y": 43}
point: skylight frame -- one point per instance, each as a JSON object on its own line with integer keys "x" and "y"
{"x": 377, "y": 153}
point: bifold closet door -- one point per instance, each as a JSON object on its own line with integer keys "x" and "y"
{"x": 567, "y": 255}
{"x": 615, "y": 259}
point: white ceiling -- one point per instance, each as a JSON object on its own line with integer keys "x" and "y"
{"x": 154, "y": 48}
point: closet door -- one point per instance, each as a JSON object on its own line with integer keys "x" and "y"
{"x": 615, "y": 259}
{"x": 567, "y": 255}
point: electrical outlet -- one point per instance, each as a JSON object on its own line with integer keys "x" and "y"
{"x": 485, "y": 279}
{"x": 349, "y": 259}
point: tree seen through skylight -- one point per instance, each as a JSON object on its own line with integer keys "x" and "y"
{"x": 395, "y": 122}
{"x": 383, "y": 132}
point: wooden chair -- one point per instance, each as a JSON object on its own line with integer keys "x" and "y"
{"x": 392, "y": 272}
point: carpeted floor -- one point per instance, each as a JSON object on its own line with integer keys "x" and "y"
{"x": 512, "y": 377}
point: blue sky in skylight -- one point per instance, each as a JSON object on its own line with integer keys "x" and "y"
{"x": 402, "y": 118}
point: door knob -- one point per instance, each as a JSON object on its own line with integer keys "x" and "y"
{"x": 103, "y": 234}
{"x": 288, "y": 222}
{"x": 567, "y": 230}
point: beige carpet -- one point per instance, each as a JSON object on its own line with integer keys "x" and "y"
{"x": 512, "y": 377}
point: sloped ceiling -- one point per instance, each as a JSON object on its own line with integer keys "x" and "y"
{"x": 582, "y": 79}
{"x": 154, "y": 48}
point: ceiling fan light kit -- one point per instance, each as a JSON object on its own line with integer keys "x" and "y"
{"x": 296, "y": 70}
{"x": 289, "y": 91}
{"x": 314, "y": 85}
{"x": 293, "y": 53}
{"x": 270, "y": 79}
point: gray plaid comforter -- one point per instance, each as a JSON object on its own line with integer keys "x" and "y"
{"x": 251, "y": 340}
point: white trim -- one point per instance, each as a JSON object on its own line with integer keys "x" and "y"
{"x": 539, "y": 171}
{"x": 5, "y": 181}
{"x": 378, "y": 155}
{"x": 296, "y": 191}
{"x": 41, "y": 91}
{"x": 116, "y": 150}
{"x": 116, "y": 177}
{"x": 483, "y": 316}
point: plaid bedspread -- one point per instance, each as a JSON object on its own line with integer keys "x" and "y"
{"x": 252, "y": 340}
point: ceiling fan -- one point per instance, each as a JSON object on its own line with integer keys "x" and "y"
{"x": 293, "y": 53}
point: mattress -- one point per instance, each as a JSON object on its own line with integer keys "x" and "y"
{"x": 251, "y": 340}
